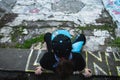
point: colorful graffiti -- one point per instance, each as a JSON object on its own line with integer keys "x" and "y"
{"x": 113, "y": 7}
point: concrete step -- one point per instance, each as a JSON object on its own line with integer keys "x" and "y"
{"x": 25, "y": 60}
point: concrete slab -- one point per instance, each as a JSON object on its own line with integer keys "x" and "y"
{"x": 7, "y": 5}
{"x": 68, "y": 6}
{"x": 101, "y": 63}
{"x": 79, "y": 12}
{"x": 12, "y": 59}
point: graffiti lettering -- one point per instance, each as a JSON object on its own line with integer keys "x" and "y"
{"x": 118, "y": 69}
{"x": 36, "y": 62}
{"x": 98, "y": 68}
{"x": 116, "y": 56}
{"x": 103, "y": 63}
{"x": 28, "y": 61}
{"x": 33, "y": 60}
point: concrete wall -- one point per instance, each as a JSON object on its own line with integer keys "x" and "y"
{"x": 6, "y": 6}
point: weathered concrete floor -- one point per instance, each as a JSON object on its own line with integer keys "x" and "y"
{"x": 26, "y": 60}
{"x": 39, "y": 14}
{"x": 36, "y": 15}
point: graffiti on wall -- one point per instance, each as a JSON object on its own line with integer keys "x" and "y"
{"x": 103, "y": 63}
{"x": 113, "y": 8}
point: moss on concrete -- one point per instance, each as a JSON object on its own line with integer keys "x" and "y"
{"x": 28, "y": 43}
{"x": 101, "y": 27}
{"x": 115, "y": 42}
{"x": 17, "y": 31}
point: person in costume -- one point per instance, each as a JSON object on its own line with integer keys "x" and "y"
{"x": 63, "y": 55}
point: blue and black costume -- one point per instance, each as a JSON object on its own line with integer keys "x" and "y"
{"x": 59, "y": 45}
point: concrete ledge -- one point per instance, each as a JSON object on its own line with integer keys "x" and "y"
{"x": 25, "y": 60}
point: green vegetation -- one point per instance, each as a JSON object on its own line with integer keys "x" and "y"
{"x": 28, "y": 43}
{"x": 17, "y": 31}
{"x": 110, "y": 28}
{"x": 1, "y": 36}
{"x": 116, "y": 42}
{"x": 101, "y": 27}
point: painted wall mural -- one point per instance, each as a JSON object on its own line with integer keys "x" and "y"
{"x": 113, "y": 7}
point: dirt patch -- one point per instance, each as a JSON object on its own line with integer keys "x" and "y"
{"x": 9, "y": 17}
